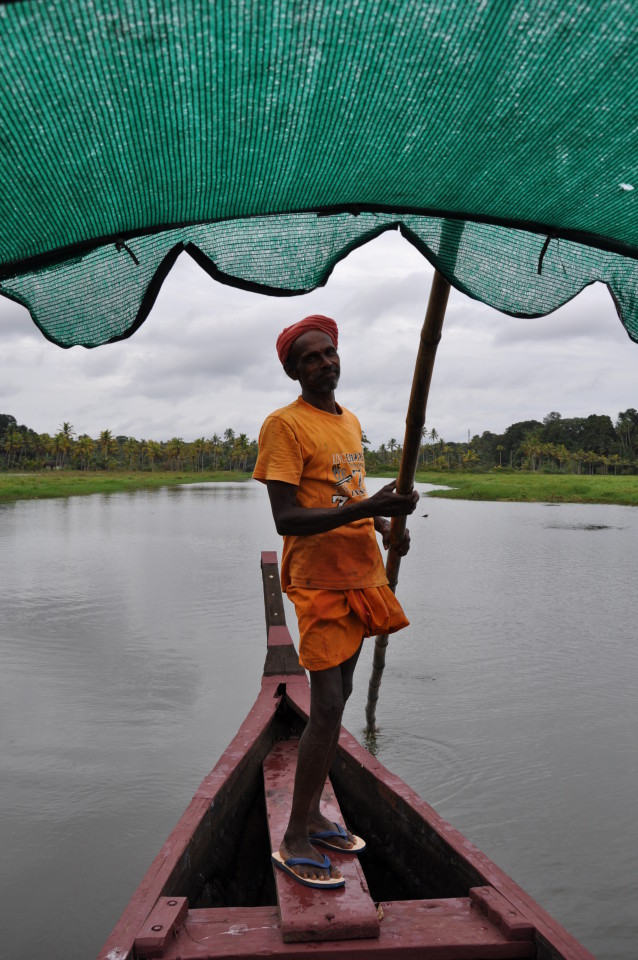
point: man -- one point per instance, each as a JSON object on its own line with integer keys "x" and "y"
{"x": 311, "y": 460}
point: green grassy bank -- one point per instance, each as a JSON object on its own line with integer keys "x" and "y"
{"x": 70, "y": 483}
{"x": 534, "y": 487}
{"x": 557, "y": 488}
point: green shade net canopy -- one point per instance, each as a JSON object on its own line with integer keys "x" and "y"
{"x": 269, "y": 138}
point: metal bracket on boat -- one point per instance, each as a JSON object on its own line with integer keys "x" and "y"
{"x": 160, "y": 927}
{"x": 502, "y": 914}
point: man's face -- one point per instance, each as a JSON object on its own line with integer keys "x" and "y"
{"x": 314, "y": 362}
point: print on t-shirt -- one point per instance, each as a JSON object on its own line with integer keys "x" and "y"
{"x": 348, "y": 473}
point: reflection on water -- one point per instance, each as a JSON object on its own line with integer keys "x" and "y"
{"x": 132, "y": 644}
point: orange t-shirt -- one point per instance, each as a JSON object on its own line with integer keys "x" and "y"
{"x": 322, "y": 455}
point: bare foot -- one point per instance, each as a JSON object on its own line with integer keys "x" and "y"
{"x": 305, "y": 850}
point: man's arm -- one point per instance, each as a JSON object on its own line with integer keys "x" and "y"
{"x": 293, "y": 520}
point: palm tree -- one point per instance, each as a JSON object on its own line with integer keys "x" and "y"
{"x": 562, "y": 455}
{"x": 614, "y": 461}
{"x": 578, "y": 458}
{"x": 131, "y": 450}
{"x": 591, "y": 458}
{"x": 62, "y": 445}
{"x": 84, "y": 447}
{"x": 199, "y": 449}
{"x": 13, "y": 444}
{"x": 106, "y": 444}
{"x": 532, "y": 448}
{"x": 229, "y": 439}
{"x": 65, "y": 443}
{"x": 175, "y": 452}
{"x": 240, "y": 451}
{"x": 43, "y": 449}
{"x": 469, "y": 457}
{"x": 215, "y": 448}
{"x": 153, "y": 452}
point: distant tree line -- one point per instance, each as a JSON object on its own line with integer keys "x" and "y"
{"x": 592, "y": 444}
{"x": 23, "y": 449}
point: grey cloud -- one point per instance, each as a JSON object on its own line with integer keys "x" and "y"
{"x": 16, "y": 323}
{"x": 591, "y": 314}
{"x": 380, "y": 298}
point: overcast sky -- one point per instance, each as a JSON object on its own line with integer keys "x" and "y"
{"x": 205, "y": 358}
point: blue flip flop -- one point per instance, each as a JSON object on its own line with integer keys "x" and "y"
{"x": 325, "y": 836}
{"x": 286, "y": 865}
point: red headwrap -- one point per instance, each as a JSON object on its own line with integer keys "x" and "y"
{"x": 288, "y": 336}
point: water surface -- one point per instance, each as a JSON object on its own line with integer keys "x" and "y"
{"x": 132, "y": 641}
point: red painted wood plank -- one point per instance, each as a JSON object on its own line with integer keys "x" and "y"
{"x": 502, "y": 914}
{"x": 161, "y": 927}
{"x": 410, "y": 930}
{"x": 279, "y": 637}
{"x": 309, "y": 914}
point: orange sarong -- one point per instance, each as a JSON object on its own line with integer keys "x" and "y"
{"x": 332, "y": 623}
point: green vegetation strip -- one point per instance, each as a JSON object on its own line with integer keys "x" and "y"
{"x": 527, "y": 486}
{"x": 534, "y": 487}
{"x": 70, "y": 483}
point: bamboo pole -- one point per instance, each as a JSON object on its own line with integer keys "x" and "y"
{"x": 414, "y": 423}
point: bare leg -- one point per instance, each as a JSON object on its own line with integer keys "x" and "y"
{"x": 316, "y": 820}
{"x": 329, "y": 690}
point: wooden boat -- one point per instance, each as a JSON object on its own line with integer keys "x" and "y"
{"x": 420, "y": 890}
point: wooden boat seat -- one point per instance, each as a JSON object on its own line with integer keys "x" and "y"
{"x": 308, "y": 914}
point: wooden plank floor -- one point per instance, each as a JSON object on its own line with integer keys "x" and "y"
{"x": 410, "y": 930}
{"x": 308, "y": 914}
